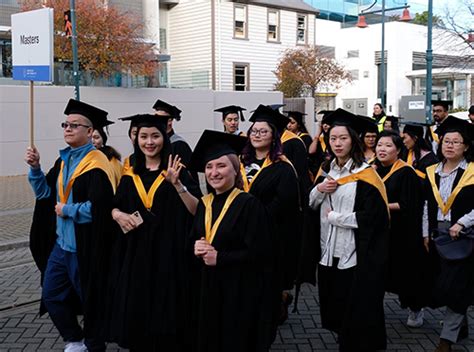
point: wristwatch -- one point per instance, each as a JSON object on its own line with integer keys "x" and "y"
{"x": 183, "y": 189}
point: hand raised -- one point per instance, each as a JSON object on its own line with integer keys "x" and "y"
{"x": 32, "y": 157}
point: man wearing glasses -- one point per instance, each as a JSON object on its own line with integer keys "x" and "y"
{"x": 440, "y": 113}
{"x": 70, "y": 234}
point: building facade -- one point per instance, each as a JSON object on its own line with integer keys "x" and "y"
{"x": 232, "y": 45}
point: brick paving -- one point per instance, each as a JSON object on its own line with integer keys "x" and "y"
{"x": 22, "y": 330}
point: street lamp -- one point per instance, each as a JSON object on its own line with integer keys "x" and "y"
{"x": 429, "y": 65}
{"x": 362, "y": 24}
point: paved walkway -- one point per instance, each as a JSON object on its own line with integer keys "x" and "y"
{"x": 22, "y": 330}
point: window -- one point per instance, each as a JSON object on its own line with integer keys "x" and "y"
{"x": 352, "y": 53}
{"x": 240, "y": 21}
{"x": 354, "y": 74}
{"x": 241, "y": 77}
{"x": 301, "y": 29}
{"x": 273, "y": 34}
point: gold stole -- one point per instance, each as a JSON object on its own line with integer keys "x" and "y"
{"x": 301, "y": 134}
{"x": 371, "y": 177}
{"x": 410, "y": 158}
{"x": 467, "y": 179}
{"x": 397, "y": 165}
{"x": 287, "y": 135}
{"x": 207, "y": 200}
{"x": 117, "y": 170}
{"x": 126, "y": 165}
{"x": 95, "y": 159}
{"x": 248, "y": 185}
{"x": 371, "y": 160}
{"x": 147, "y": 198}
{"x": 434, "y": 135}
{"x": 322, "y": 143}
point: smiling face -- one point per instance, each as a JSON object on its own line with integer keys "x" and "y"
{"x": 386, "y": 151}
{"x": 261, "y": 135}
{"x": 79, "y": 136}
{"x": 340, "y": 142}
{"x": 377, "y": 109}
{"x": 231, "y": 122}
{"x": 150, "y": 141}
{"x": 220, "y": 174}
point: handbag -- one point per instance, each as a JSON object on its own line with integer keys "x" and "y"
{"x": 454, "y": 249}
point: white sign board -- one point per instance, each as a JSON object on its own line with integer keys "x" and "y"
{"x": 416, "y": 105}
{"x": 32, "y": 45}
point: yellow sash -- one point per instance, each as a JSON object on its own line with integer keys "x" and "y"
{"x": 371, "y": 177}
{"x": 371, "y": 160}
{"x": 322, "y": 142}
{"x": 126, "y": 165}
{"x": 248, "y": 185}
{"x": 434, "y": 135}
{"x": 410, "y": 157}
{"x": 287, "y": 135}
{"x": 397, "y": 165}
{"x": 147, "y": 198}
{"x": 467, "y": 179}
{"x": 117, "y": 170}
{"x": 95, "y": 159}
{"x": 301, "y": 134}
{"x": 207, "y": 200}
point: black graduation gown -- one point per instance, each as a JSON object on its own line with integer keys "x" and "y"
{"x": 93, "y": 241}
{"x": 233, "y": 314}
{"x": 454, "y": 280}
{"x": 276, "y": 187}
{"x": 362, "y": 322}
{"x": 296, "y": 152}
{"x": 150, "y": 304}
{"x": 307, "y": 140}
{"x": 428, "y": 160}
{"x": 408, "y": 259}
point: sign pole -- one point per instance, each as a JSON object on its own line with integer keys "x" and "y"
{"x": 32, "y": 120}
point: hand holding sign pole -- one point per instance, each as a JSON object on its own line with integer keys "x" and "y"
{"x": 32, "y": 51}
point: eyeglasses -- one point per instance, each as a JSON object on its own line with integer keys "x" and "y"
{"x": 73, "y": 126}
{"x": 262, "y": 132}
{"x": 453, "y": 143}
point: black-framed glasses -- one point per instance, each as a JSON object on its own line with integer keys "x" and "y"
{"x": 261, "y": 132}
{"x": 73, "y": 126}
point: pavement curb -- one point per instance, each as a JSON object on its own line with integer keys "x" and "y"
{"x": 4, "y": 246}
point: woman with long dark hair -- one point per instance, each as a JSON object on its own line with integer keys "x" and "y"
{"x": 407, "y": 257}
{"x": 353, "y": 239}
{"x": 153, "y": 208}
{"x": 232, "y": 247}
{"x": 271, "y": 178}
{"x": 450, "y": 193}
{"x": 418, "y": 152}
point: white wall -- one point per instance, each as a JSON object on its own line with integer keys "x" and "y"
{"x": 189, "y": 34}
{"x": 197, "y": 107}
{"x": 262, "y": 56}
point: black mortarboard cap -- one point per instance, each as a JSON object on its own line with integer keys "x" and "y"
{"x": 325, "y": 113}
{"x": 415, "y": 128}
{"x": 172, "y": 110}
{"x": 276, "y": 106}
{"x": 267, "y": 114}
{"x": 232, "y": 109}
{"x": 298, "y": 116}
{"x": 395, "y": 119}
{"x": 213, "y": 145}
{"x": 453, "y": 124}
{"x": 471, "y": 110}
{"x": 97, "y": 116}
{"x": 144, "y": 119}
{"x": 444, "y": 103}
{"x": 358, "y": 123}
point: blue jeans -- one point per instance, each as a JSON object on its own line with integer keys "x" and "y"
{"x": 61, "y": 279}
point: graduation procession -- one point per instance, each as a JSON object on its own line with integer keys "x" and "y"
{"x": 212, "y": 248}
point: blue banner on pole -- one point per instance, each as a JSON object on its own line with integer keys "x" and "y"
{"x": 32, "y": 73}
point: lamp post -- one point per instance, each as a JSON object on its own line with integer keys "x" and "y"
{"x": 429, "y": 65}
{"x": 362, "y": 24}
{"x": 75, "y": 61}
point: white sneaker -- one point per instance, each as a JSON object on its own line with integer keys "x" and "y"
{"x": 75, "y": 347}
{"x": 415, "y": 319}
